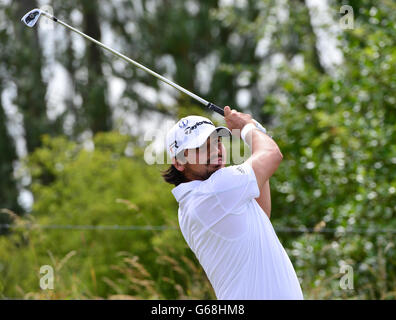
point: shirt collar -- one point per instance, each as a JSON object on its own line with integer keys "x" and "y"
{"x": 182, "y": 189}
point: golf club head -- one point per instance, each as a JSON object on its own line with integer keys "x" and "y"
{"x": 31, "y": 18}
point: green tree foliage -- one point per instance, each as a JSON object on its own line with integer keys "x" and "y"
{"x": 337, "y": 134}
{"x": 100, "y": 187}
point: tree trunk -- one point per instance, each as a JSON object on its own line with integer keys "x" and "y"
{"x": 27, "y": 61}
{"x": 97, "y": 110}
{"x": 8, "y": 188}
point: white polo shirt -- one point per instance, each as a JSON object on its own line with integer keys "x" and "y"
{"x": 233, "y": 238}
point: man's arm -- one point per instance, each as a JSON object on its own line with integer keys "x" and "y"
{"x": 264, "y": 200}
{"x": 266, "y": 155}
{"x": 265, "y": 160}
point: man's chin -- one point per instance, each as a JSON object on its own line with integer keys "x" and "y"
{"x": 214, "y": 167}
{"x": 217, "y": 162}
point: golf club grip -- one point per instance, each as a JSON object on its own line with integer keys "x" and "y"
{"x": 215, "y": 108}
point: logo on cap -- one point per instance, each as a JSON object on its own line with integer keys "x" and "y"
{"x": 183, "y": 123}
{"x": 196, "y": 125}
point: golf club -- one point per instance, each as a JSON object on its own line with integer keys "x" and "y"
{"x": 31, "y": 18}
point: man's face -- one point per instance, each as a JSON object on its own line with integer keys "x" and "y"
{"x": 203, "y": 161}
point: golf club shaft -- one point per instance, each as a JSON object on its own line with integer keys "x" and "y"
{"x": 208, "y": 104}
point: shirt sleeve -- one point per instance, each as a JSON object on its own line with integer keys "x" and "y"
{"x": 234, "y": 186}
{"x": 221, "y": 198}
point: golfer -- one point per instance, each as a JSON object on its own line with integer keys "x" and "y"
{"x": 224, "y": 211}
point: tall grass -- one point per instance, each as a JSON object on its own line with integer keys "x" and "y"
{"x": 175, "y": 273}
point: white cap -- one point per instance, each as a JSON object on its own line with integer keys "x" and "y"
{"x": 191, "y": 132}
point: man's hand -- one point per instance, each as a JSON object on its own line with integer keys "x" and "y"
{"x": 236, "y": 120}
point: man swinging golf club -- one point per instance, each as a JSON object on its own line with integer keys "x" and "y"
{"x": 224, "y": 211}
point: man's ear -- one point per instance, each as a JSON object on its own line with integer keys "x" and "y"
{"x": 177, "y": 164}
